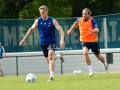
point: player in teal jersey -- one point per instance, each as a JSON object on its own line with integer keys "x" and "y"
{"x": 1, "y": 56}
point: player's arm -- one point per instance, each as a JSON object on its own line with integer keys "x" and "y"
{"x": 73, "y": 27}
{"x": 29, "y": 31}
{"x": 57, "y": 26}
{"x": 95, "y": 26}
{"x": 4, "y": 51}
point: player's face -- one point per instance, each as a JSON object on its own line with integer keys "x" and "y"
{"x": 43, "y": 14}
{"x": 85, "y": 15}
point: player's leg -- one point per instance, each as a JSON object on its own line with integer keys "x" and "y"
{"x": 47, "y": 59}
{"x": 2, "y": 73}
{"x": 51, "y": 46}
{"x": 88, "y": 61}
{"x": 48, "y": 52}
{"x": 51, "y": 64}
{"x": 1, "y": 68}
{"x": 51, "y": 50}
{"x": 59, "y": 55}
{"x": 86, "y": 47}
{"x": 96, "y": 50}
{"x": 101, "y": 58}
{"x": 45, "y": 52}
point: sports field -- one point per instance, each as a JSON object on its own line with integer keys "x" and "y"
{"x": 99, "y": 81}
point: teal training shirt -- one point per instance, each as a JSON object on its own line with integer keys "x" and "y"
{"x": 1, "y": 51}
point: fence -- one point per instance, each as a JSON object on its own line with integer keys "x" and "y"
{"x": 27, "y": 62}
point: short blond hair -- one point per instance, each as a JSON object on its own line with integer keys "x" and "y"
{"x": 44, "y": 7}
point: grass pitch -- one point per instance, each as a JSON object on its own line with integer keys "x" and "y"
{"x": 99, "y": 81}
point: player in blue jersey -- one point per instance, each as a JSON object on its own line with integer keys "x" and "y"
{"x": 1, "y": 55}
{"x": 46, "y": 28}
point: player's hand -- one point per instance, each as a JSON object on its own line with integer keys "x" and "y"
{"x": 90, "y": 31}
{"x": 22, "y": 42}
{"x": 69, "y": 32}
{"x": 7, "y": 56}
{"x": 62, "y": 44}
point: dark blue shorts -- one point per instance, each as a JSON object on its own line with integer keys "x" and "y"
{"x": 48, "y": 46}
{"x": 94, "y": 46}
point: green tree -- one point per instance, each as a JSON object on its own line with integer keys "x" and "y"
{"x": 57, "y": 8}
{"x": 98, "y": 7}
{"x": 9, "y": 9}
{"x": 28, "y": 9}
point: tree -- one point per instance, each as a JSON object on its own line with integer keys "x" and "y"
{"x": 9, "y": 9}
{"x": 57, "y": 9}
{"x": 98, "y": 7}
{"x": 28, "y": 9}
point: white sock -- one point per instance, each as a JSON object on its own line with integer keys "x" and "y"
{"x": 90, "y": 67}
{"x": 58, "y": 55}
{"x": 52, "y": 74}
{"x": 105, "y": 64}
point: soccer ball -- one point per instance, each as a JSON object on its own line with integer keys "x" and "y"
{"x": 75, "y": 72}
{"x": 79, "y": 72}
{"x": 31, "y": 78}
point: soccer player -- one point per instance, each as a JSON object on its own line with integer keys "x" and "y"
{"x": 46, "y": 28}
{"x": 88, "y": 29}
{"x": 2, "y": 50}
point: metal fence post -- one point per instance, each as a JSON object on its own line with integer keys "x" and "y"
{"x": 17, "y": 66}
{"x": 61, "y": 68}
{"x": 109, "y": 58}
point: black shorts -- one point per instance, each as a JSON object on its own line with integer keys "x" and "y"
{"x": 48, "y": 46}
{"x": 94, "y": 46}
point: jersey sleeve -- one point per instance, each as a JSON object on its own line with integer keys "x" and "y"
{"x": 77, "y": 20}
{"x": 3, "y": 48}
{"x": 94, "y": 23}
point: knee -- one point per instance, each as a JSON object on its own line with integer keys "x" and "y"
{"x": 85, "y": 53}
{"x": 50, "y": 57}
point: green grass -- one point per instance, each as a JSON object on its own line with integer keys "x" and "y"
{"x": 99, "y": 81}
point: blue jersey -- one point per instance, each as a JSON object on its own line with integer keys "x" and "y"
{"x": 1, "y": 51}
{"x": 46, "y": 30}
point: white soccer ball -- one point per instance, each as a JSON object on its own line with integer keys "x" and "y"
{"x": 79, "y": 72}
{"x": 31, "y": 78}
{"x": 75, "y": 72}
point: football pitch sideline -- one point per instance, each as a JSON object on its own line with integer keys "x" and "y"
{"x": 100, "y": 81}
